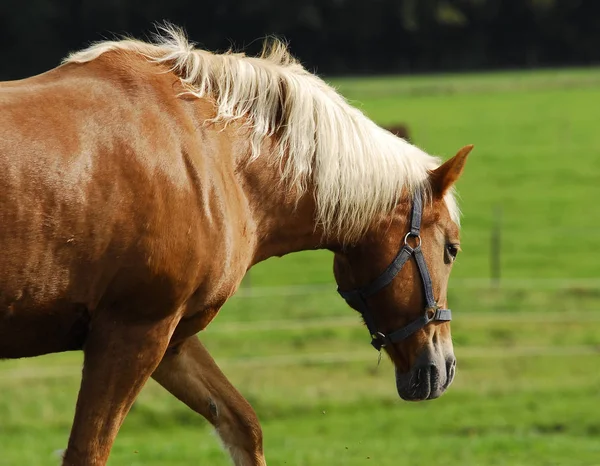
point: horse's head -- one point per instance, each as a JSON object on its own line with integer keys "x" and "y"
{"x": 397, "y": 278}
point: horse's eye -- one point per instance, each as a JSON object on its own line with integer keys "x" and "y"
{"x": 452, "y": 250}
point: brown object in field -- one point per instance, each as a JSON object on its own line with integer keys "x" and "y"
{"x": 400, "y": 130}
{"x": 139, "y": 183}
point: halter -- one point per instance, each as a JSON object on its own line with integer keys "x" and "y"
{"x": 358, "y": 298}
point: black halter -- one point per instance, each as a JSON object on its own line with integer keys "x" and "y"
{"x": 358, "y": 298}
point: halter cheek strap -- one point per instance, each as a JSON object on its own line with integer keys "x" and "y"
{"x": 432, "y": 312}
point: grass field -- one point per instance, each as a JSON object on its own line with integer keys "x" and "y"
{"x": 527, "y": 390}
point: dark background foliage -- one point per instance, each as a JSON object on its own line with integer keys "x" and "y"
{"x": 329, "y": 36}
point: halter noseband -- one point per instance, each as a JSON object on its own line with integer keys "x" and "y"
{"x": 358, "y": 298}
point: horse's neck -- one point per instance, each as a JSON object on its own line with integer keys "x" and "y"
{"x": 283, "y": 224}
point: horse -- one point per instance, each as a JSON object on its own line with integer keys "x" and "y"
{"x": 141, "y": 180}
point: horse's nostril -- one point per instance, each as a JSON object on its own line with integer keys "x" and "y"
{"x": 450, "y": 364}
{"x": 450, "y": 369}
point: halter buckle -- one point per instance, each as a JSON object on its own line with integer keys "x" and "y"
{"x": 431, "y": 312}
{"x": 378, "y": 340}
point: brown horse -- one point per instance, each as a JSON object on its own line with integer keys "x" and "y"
{"x": 140, "y": 181}
{"x": 400, "y": 130}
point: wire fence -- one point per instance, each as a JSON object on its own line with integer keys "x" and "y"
{"x": 340, "y": 322}
{"x": 249, "y": 291}
{"x": 315, "y": 359}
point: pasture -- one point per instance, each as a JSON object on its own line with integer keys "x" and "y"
{"x": 528, "y": 384}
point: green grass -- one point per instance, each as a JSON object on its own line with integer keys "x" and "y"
{"x": 528, "y": 383}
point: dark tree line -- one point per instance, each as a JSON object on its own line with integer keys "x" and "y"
{"x": 330, "y": 36}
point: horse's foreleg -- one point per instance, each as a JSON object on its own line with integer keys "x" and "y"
{"x": 190, "y": 374}
{"x": 118, "y": 359}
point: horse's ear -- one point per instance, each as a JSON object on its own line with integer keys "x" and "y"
{"x": 443, "y": 177}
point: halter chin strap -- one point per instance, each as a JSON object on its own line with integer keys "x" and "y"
{"x": 358, "y": 298}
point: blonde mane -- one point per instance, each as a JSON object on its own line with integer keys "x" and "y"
{"x": 358, "y": 169}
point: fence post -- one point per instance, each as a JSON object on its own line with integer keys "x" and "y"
{"x": 495, "y": 246}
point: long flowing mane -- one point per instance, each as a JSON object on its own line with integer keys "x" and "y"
{"x": 358, "y": 169}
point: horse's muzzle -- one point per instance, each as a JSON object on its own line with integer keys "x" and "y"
{"x": 426, "y": 381}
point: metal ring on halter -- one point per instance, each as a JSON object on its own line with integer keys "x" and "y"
{"x": 379, "y": 336}
{"x": 417, "y": 238}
